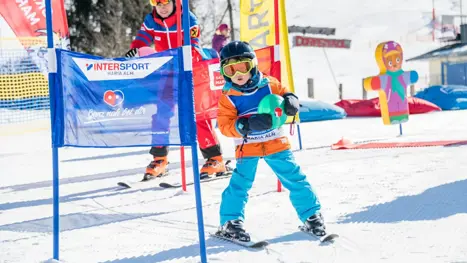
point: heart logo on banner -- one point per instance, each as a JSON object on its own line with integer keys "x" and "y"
{"x": 113, "y": 97}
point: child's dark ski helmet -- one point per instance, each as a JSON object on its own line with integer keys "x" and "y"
{"x": 241, "y": 49}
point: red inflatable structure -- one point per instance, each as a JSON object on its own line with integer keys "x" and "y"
{"x": 371, "y": 108}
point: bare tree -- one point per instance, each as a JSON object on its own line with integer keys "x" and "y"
{"x": 230, "y": 8}
{"x": 209, "y": 18}
{"x": 110, "y": 37}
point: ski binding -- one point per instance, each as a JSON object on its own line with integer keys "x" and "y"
{"x": 249, "y": 244}
{"x": 328, "y": 238}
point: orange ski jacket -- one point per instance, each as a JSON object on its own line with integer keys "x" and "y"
{"x": 234, "y": 104}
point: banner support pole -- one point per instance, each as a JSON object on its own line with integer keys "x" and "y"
{"x": 182, "y": 163}
{"x": 283, "y": 27}
{"x": 55, "y": 159}
{"x": 299, "y": 137}
{"x": 199, "y": 203}
{"x": 188, "y": 85}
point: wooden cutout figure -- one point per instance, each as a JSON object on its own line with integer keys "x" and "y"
{"x": 391, "y": 83}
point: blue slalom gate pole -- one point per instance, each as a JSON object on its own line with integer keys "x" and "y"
{"x": 56, "y": 203}
{"x": 199, "y": 203}
{"x": 55, "y": 169}
{"x": 188, "y": 77}
{"x": 400, "y": 129}
{"x": 299, "y": 136}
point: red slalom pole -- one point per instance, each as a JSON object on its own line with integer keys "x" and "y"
{"x": 182, "y": 165}
{"x": 179, "y": 43}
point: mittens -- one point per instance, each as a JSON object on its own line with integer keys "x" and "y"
{"x": 260, "y": 122}
{"x": 243, "y": 126}
{"x": 291, "y": 104}
{"x": 256, "y": 122}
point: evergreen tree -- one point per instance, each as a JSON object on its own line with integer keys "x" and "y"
{"x": 105, "y": 27}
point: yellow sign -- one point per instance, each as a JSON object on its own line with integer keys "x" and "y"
{"x": 257, "y": 23}
{"x": 257, "y": 27}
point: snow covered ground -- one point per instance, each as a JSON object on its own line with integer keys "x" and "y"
{"x": 388, "y": 205}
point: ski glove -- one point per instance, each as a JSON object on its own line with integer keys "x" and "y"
{"x": 256, "y": 122}
{"x": 242, "y": 126}
{"x": 260, "y": 122}
{"x": 291, "y": 104}
{"x": 131, "y": 53}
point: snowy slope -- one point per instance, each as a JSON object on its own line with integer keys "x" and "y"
{"x": 393, "y": 205}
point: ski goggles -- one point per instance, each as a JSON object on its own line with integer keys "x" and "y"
{"x": 242, "y": 67}
{"x": 159, "y": 2}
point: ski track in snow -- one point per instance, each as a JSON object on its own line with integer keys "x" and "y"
{"x": 388, "y": 205}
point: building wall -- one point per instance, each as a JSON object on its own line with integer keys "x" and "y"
{"x": 435, "y": 72}
{"x": 435, "y": 68}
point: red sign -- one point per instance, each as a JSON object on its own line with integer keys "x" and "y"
{"x": 206, "y": 97}
{"x": 27, "y": 17}
{"x": 300, "y": 41}
{"x": 267, "y": 63}
{"x": 219, "y": 80}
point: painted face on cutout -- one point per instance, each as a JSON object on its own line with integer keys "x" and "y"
{"x": 392, "y": 56}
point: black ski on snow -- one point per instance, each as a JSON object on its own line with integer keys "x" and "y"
{"x": 209, "y": 179}
{"x": 250, "y": 244}
{"x": 329, "y": 238}
{"x": 144, "y": 180}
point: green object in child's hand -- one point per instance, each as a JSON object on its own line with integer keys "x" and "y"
{"x": 274, "y": 105}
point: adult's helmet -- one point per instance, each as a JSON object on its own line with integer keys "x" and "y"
{"x": 155, "y": 2}
{"x": 241, "y": 49}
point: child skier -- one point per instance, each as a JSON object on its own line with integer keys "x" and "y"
{"x": 160, "y": 28}
{"x": 245, "y": 87}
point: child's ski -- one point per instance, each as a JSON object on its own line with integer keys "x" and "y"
{"x": 250, "y": 244}
{"x": 145, "y": 180}
{"x": 329, "y": 238}
{"x": 210, "y": 179}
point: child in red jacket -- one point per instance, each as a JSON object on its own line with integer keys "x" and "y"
{"x": 160, "y": 28}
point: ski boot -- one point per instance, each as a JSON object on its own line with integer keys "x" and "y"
{"x": 315, "y": 225}
{"x": 157, "y": 168}
{"x": 215, "y": 165}
{"x": 233, "y": 229}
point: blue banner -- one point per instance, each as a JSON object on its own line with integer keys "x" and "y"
{"x": 120, "y": 102}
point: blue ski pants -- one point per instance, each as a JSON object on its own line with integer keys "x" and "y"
{"x": 235, "y": 196}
